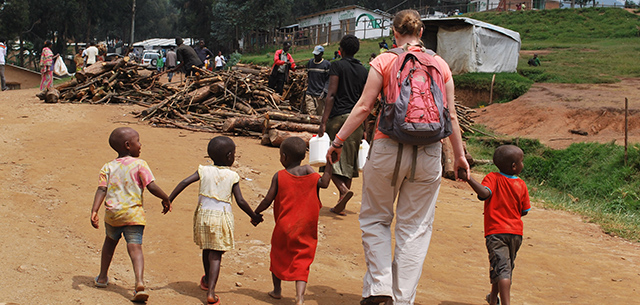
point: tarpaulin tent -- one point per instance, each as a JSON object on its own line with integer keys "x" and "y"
{"x": 470, "y": 45}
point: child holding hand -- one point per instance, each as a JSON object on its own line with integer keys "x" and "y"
{"x": 122, "y": 182}
{"x": 213, "y": 220}
{"x": 506, "y": 200}
{"x": 296, "y": 210}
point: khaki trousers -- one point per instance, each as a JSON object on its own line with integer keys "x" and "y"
{"x": 398, "y": 276}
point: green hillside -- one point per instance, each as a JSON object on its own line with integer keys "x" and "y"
{"x": 566, "y": 25}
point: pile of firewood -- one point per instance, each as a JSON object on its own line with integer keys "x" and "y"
{"x": 105, "y": 82}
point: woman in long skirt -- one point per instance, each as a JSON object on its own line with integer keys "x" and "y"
{"x": 46, "y": 66}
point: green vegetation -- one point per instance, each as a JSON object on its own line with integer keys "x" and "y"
{"x": 591, "y": 45}
{"x": 566, "y": 26}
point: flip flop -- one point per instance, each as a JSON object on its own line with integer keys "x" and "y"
{"x": 339, "y": 213}
{"x": 375, "y": 300}
{"x": 100, "y": 285}
{"x": 488, "y": 298}
{"x": 140, "y": 296}
{"x": 203, "y": 285}
{"x": 342, "y": 203}
{"x": 217, "y": 302}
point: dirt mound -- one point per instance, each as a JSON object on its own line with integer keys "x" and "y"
{"x": 549, "y": 112}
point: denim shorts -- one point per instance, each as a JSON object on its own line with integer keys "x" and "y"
{"x": 132, "y": 234}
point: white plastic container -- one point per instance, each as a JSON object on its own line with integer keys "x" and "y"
{"x": 363, "y": 152}
{"x": 318, "y": 147}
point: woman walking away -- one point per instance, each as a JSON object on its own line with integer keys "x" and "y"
{"x": 400, "y": 169}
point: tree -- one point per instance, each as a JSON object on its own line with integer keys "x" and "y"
{"x": 14, "y": 18}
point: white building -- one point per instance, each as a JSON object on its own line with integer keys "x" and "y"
{"x": 329, "y": 26}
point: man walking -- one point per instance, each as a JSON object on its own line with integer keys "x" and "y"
{"x": 3, "y": 54}
{"x": 318, "y": 82}
{"x": 187, "y": 57}
{"x": 171, "y": 63}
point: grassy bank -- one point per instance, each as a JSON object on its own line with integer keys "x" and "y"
{"x": 590, "y": 179}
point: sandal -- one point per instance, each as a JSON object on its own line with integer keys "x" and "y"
{"x": 217, "y": 301}
{"x": 100, "y": 285}
{"x": 203, "y": 284}
{"x": 342, "y": 203}
{"x": 140, "y": 296}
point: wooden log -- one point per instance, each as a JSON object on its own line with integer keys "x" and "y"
{"x": 198, "y": 95}
{"x": 41, "y": 95}
{"x": 67, "y": 84}
{"x": 292, "y": 126}
{"x": 52, "y": 96}
{"x": 247, "y": 70}
{"x": 246, "y": 123}
{"x": 447, "y": 159}
{"x": 99, "y": 68}
{"x": 290, "y": 117}
{"x": 277, "y": 136}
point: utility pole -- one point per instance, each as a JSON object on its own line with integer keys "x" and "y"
{"x": 133, "y": 22}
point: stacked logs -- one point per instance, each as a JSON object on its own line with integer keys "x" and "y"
{"x": 116, "y": 81}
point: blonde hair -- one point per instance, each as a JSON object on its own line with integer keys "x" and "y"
{"x": 407, "y": 22}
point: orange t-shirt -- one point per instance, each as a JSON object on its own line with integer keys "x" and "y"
{"x": 383, "y": 63}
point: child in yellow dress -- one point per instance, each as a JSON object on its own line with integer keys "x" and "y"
{"x": 213, "y": 220}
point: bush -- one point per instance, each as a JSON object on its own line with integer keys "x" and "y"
{"x": 507, "y": 86}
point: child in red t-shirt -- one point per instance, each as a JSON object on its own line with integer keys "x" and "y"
{"x": 506, "y": 200}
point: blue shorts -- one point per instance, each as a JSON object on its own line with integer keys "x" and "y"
{"x": 132, "y": 234}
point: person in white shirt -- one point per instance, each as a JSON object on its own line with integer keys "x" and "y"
{"x": 90, "y": 54}
{"x": 3, "y": 54}
{"x": 220, "y": 62}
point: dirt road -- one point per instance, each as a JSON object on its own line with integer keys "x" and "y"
{"x": 49, "y": 161}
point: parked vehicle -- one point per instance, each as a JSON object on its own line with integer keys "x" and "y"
{"x": 150, "y": 60}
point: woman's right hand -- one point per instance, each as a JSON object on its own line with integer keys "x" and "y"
{"x": 333, "y": 154}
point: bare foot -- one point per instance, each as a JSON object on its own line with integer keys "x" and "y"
{"x": 275, "y": 295}
{"x": 299, "y": 301}
{"x": 139, "y": 287}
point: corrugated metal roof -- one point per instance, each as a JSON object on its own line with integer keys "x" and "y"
{"x": 465, "y": 20}
{"x": 161, "y": 42}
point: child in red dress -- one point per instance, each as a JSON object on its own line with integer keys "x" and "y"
{"x": 296, "y": 210}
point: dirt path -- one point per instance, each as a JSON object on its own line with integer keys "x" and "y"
{"x": 49, "y": 162}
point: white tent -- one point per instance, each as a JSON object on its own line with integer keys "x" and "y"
{"x": 470, "y": 45}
